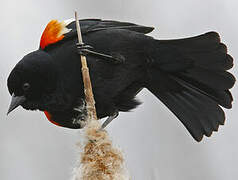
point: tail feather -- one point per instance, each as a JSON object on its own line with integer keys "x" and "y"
{"x": 205, "y": 42}
{"x": 216, "y": 90}
{"x": 212, "y": 79}
{"x": 189, "y": 76}
{"x": 212, "y": 60}
{"x": 199, "y": 113}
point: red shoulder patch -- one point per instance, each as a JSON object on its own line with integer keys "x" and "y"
{"x": 49, "y": 117}
{"x": 53, "y": 33}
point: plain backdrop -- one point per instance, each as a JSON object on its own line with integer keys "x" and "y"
{"x": 155, "y": 143}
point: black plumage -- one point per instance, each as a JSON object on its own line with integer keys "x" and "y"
{"x": 188, "y": 75}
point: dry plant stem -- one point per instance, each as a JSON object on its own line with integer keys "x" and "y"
{"x": 99, "y": 159}
{"x": 89, "y": 98}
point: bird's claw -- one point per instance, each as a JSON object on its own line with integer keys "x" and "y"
{"x": 109, "y": 119}
{"x": 85, "y": 50}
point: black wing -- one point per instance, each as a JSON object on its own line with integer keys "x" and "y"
{"x": 92, "y": 25}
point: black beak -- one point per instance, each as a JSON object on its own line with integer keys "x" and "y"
{"x": 15, "y": 102}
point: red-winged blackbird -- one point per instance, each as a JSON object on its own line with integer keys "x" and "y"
{"x": 188, "y": 75}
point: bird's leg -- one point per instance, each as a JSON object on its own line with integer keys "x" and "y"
{"x": 85, "y": 50}
{"x": 109, "y": 119}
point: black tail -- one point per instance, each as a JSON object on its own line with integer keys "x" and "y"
{"x": 189, "y": 76}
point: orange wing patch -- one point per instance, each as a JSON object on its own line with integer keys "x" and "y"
{"x": 53, "y": 33}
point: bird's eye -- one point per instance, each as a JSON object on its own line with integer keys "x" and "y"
{"x": 26, "y": 86}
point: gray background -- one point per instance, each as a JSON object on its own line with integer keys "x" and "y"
{"x": 155, "y": 143}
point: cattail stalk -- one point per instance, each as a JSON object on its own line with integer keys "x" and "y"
{"x": 89, "y": 98}
{"x": 99, "y": 159}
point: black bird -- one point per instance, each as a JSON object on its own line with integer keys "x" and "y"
{"x": 188, "y": 75}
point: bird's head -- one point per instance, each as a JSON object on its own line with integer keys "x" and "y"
{"x": 46, "y": 80}
{"x": 35, "y": 84}
{"x": 33, "y": 77}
